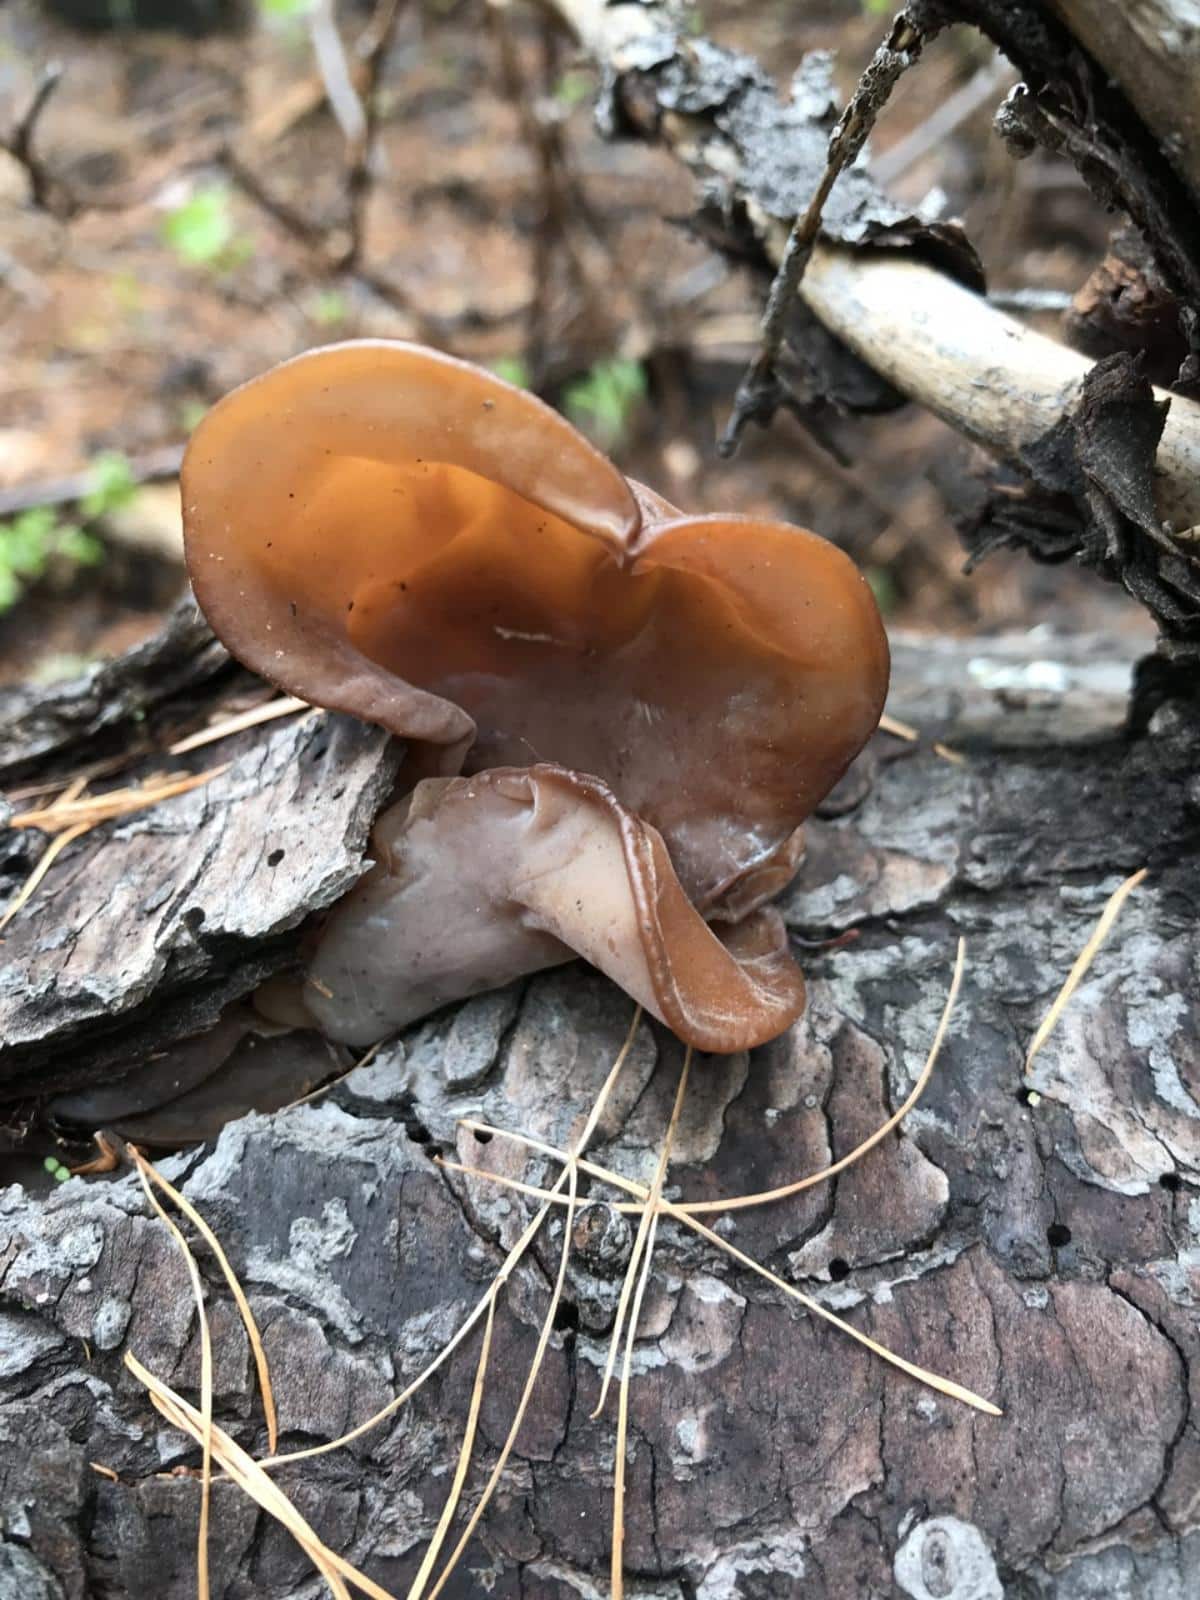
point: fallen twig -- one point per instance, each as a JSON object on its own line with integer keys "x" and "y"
{"x": 990, "y": 377}
{"x": 19, "y": 143}
{"x": 762, "y": 390}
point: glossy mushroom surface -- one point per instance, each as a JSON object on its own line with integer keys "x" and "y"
{"x": 383, "y": 530}
{"x": 482, "y": 879}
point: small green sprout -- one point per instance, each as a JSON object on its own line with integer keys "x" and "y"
{"x": 573, "y": 88}
{"x": 203, "y": 233}
{"x": 56, "y": 1169}
{"x": 512, "y": 369}
{"x": 328, "y": 307}
{"x": 604, "y": 401}
{"x": 883, "y": 587}
{"x": 191, "y": 413}
{"x": 41, "y": 539}
{"x": 113, "y": 485}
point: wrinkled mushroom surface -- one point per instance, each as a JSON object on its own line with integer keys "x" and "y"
{"x": 387, "y": 531}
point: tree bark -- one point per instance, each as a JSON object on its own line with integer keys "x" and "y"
{"x": 1040, "y": 1248}
{"x": 1152, "y": 48}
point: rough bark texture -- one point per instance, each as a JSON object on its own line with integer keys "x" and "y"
{"x": 150, "y": 926}
{"x": 1042, "y": 1251}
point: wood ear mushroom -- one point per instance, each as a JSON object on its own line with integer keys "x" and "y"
{"x": 623, "y": 714}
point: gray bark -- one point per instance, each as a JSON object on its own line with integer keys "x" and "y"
{"x": 1042, "y": 1253}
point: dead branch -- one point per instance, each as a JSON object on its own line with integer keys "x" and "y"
{"x": 45, "y": 191}
{"x": 762, "y": 391}
{"x": 994, "y": 380}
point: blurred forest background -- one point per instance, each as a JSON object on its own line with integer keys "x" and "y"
{"x": 182, "y": 206}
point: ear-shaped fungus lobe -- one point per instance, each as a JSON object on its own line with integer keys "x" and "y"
{"x": 386, "y": 531}
{"x": 481, "y": 879}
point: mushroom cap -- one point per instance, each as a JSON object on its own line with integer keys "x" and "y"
{"x": 482, "y": 879}
{"x": 384, "y": 530}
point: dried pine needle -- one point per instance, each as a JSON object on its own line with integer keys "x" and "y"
{"x": 514, "y": 1256}
{"x": 906, "y": 731}
{"x": 1083, "y": 961}
{"x": 668, "y": 1208}
{"x": 649, "y": 1212}
{"x": 570, "y": 1175}
{"x": 147, "y": 1169}
{"x": 45, "y": 861}
{"x": 206, "y": 1389}
{"x": 248, "y": 1474}
{"x": 898, "y": 729}
{"x": 741, "y": 1202}
{"x": 617, "y": 1553}
{"x": 945, "y": 1386}
{"x": 955, "y": 757}
{"x": 97, "y": 808}
{"x": 535, "y": 1368}
{"x": 417, "y": 1588}
{"x": 71, "y": 818}
{"x": 766, "y": 1196}
{"x": 285, "y": 707}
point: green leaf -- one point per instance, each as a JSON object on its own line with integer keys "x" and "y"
{"x": 285, "y": 10}
{"x": 191, "y": 414}
{"x": 113, "y": 485}
{"x": 573, "y": 88}
{"x": 25, "y": 542}
{"x": 328, "y": 307}
{"x": 201, "y": 230}
{"x": 604, "y": 401}
{"x": 73, "y": 544}
{"x": 513, "y": 370}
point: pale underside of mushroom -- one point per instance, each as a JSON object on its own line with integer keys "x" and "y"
{"x": 479, "y": 878}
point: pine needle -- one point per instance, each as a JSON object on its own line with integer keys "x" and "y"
{"x": 285, "y": 707}
{"x": 206, "y": 1389}
{"x": 47, "y": 859}
{"x": 653, "y": 1213}
{"x": 649, "y": 1213}
{"x": 898, "y": 729}
{"x": 1083, "y": 961}
{"x": 72, "y": 815}
{"x": 766, "y": 1196}
{"x": 741, "y": 1202}
{"x": 683, "y": 1214}
{"x": 514, "y": 1256}
{"x": 535, "y": 1367}
{"x": 248, "y": 1474}
{"x": 906, "y": 731}
{"x": 571, "y": 1174}
{"x": 146, "y": 1169}
{"x": 669, "y": 1209}
{"x": 464, "y": 1461}
{"x": 97, "y": 808}
{"x": 944, "y": 1386}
